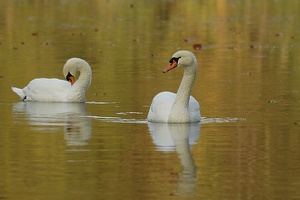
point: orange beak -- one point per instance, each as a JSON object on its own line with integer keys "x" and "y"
{"x": 71, "y": 80}
{"x": 172, "y": 65}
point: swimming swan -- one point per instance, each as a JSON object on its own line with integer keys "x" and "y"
{"x": 56, "y": 90}
{"x": 181, "y": 107}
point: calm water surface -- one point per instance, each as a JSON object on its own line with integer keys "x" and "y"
{"x": 248, "y": 85}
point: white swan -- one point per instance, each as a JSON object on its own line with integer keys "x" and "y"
{"x": 56, "y": 90}
{"x": 181, "y": 107}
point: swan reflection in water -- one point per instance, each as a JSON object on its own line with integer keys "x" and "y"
{"x": 49, "y": 117}
{"x": 179, "y": 138}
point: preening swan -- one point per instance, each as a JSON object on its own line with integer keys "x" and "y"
{"x": 56, "y": 90}
{"x": 181, "y": 107}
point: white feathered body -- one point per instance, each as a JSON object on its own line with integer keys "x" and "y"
{"x": 44, "y": 89}
{"x": 56, "y": 90}
{"x": 161, "y": 107}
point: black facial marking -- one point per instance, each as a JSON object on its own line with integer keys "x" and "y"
{"x": 174, "y": 59}
{"x": 68, "y": 76}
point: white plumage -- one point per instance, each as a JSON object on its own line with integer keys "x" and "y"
{"x": 181, "y": 107}
{"x": 56, "y": 90}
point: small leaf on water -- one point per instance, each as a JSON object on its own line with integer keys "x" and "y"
{"x": 197, "y": 46}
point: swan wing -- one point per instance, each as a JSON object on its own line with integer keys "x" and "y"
{"x": 161, "y": 106}
{"x": 50, "y": 90}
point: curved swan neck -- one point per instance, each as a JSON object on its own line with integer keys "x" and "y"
{"x": 181, "y": 102}
{"x": 85, "y": 77}
{"x": 187, "y": 82}
{"x": 82, "y": 84}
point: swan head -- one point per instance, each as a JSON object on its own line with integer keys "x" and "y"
{"x": 181, "y": 58}
{"x": 71, "y": 67}
{"x": 70, "y": 78}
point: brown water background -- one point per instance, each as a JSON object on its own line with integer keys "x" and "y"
{"x": 248, "y": 86}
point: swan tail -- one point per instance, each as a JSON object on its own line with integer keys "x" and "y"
{"x": 19, "y": 92}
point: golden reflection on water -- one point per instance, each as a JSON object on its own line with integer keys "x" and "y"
{"x": 248, "y": 68}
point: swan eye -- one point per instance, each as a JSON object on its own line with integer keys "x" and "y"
{"x": 174, "y": 59}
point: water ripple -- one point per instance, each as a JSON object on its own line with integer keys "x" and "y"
{"x": 204, "y": 120}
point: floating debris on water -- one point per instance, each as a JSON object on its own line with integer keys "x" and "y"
{"x": 197, "y": 46}
{"x": 272, "y": 101}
